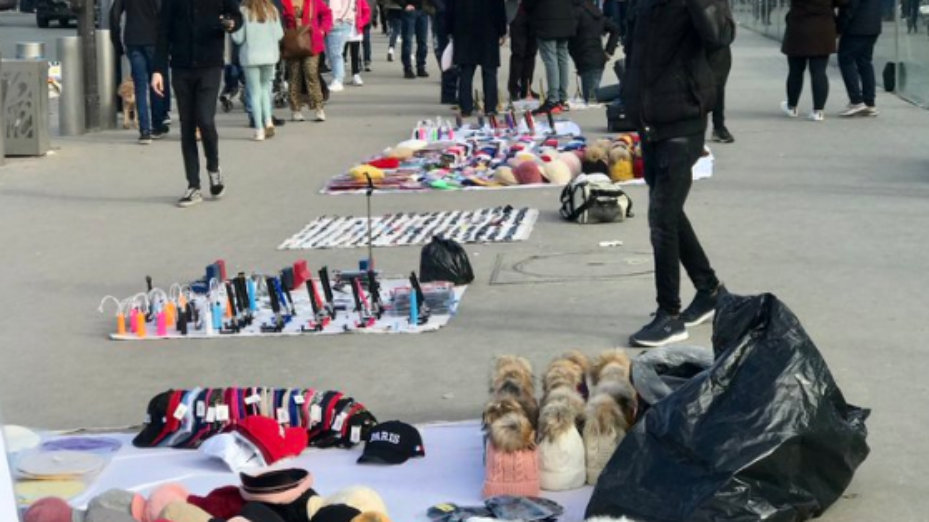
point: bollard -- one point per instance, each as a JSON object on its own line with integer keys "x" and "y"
{"x": 71, "y": 103}
{"x": 30, "y": 51}
{"x": 2, "y": 123}
{"x": 106, "y": 79}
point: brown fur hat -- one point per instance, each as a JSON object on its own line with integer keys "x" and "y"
{"x": 563, "y": 410}
{"x": 512, "y": 379}
{"x": 611, "y": 364}
{"x": 512, "y": 433}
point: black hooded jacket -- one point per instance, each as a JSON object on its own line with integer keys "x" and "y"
{"x": 586, "y": 47}
{"x": 670, "y": 87}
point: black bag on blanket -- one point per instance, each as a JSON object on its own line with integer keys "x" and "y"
{"x": 445, "y": 260}
{"x": 764, "y": 434}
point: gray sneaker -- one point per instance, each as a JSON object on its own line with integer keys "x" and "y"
{"x": 853, "y": 109}
{"x": 217, "y": 188}
{"x": 190, "y": 198}
{"x": 871, "y": 111}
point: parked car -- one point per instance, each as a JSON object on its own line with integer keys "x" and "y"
{"x": 7, "y": 5}
{"x": 48, "y": 10}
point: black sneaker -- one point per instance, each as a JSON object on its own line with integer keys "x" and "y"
{"x": 409, "y": 74}
{"x": 702, "y": 308}
{"x": 422, "y": 73}
{"x": 145, "y": 138}
{"x": 722, "y": 135}
{"x": 160, "y": 132}
{"x": 545, "y": 108}
{"x": 190, "y": 198}
{"x": 367, "y": 66}
{"x": 217, "y": 188}
{"x": 664, "y": 329}
{"x": 278, "y": 122}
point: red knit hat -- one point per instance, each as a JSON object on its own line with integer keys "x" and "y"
{"x": 49, "y": 509}
{"x": 225, "y": 502}
{"x": 274, "y": 441}
{"x": 385, "y": 163}
{"x": 515, "y": 473}
{"x": 528, "y": 173}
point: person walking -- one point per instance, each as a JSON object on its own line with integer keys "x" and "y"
{"x": 191, "y": 37}
{"x": 668, "y": 89}
{"x": 523, "y": 50}
{"x": 259, "y": 51}
{"x": 586, "y": 47}
{"x": 362, "y": 22}
{"x": 442, "y": 34}
{"x": 911, "y": 13}
{"x": 303, "y": 73}
{"x": 140, "y": 37}
{"x": 415, "y": 25}
{"x": 809, "y": 39}
{"x": 721, "y": 63}
{"x": 478, "y": 28}
{"x": 344, "y": 14}
{"x": 554, "y": 22}
{"x": 393, "y": 23}
{"x": 860, "y": 24}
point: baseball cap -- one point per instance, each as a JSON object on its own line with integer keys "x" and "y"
{"x": 155, "y": 420}
{"x": 392, "y": 442}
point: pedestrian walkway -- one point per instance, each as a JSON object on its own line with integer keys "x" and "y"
{"x": 831, "y": 216}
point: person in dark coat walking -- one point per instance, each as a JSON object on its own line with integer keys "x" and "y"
{"x": 554, "y": 23}
{"x": 809, "y": 40}
{"x": 586, "y": 47}
{"x": 860, "y": 25}
{"x": 721, "y": 63}
{"x": 478, "y": 29}
{"x": 669, "y": 87}
{"x": 449, "y": 91}
{"x": 523, "y": 50}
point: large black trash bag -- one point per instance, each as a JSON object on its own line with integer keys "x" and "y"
{"x": 445, "y": 260}
{"x": 763, "y": 435}
{"x": 658, "y": 373}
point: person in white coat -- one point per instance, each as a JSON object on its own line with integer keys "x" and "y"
{"x": 259, "y": 40}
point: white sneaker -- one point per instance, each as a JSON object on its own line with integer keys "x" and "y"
{"x": 336, "y": 86}
{"x": 817, "y": 116}
{"x": 871, "y": 111}
{"x": 853, "y": 109}
{"x": 259, "y": 135}
{"x": 297, "y": 116}
{"x": 320, "y": 115}
{"x": 390, "y": 54}
{"x": 356, "y": 80}
{"x": 788, "y": 110}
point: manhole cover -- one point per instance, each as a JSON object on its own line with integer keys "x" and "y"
{"x": 571, "y": 266}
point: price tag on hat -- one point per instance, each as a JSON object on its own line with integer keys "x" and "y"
{"x": 201, "y": 409}
{"x": 222, "y": 413}
{"x": 180, "y": 411}
{"x": 253, "y": 399}
{"x": 356, "y": 434}
{"x": 283, "y": 416}
{"x": 316, "y": 414}
{"x": 339, "y": 421}
{"x": 211, "y": 414}
{"x": 298, "y": 398}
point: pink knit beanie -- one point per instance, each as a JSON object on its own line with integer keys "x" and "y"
{"x": 161, "y": 497}
{"x": 528, "y": 173}
{"x": 515, "y": 473}
{"x": 49, "y": 509}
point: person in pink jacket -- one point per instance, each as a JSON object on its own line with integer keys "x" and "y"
{"x": 362, "y": 19}
{"x": 305, "y": 72}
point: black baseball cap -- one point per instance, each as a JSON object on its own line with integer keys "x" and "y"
{"x": 392, "y": 442}
{"x": 155, "y": 420}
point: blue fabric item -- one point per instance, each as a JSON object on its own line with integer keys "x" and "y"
{"x": 259, "y": 41}
{"x": 152, "y": 109}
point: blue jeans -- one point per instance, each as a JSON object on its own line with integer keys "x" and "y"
{"x": 590, "y": 83}
{"x": 258, "y": 79}
{"x": 416, "y": 23}
{"x": 555, "y": 58}
{"x": 856, "y": 54}
{"x": 150, "y": 106}
{"x": 335, "y": 49}
{"x": 395, "y": 21}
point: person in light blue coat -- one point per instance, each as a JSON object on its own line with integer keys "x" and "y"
{"x": 259, "y": 40}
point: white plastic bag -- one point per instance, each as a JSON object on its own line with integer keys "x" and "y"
{"x": 447, "y": 56}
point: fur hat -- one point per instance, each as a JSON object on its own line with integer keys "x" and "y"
{"x": 595, "y": 160}
{"x": 504, "y": 176}
{"x": 184, "y": 512}
{"x": 514, "y": 473}
{"x": 603, "y": 431}
{"x": 360, "y": 173}
{"x": 620, "y": 164}
{"x": 400, "y": 153}
{"x": 512, "y": 379}
{"x": 557, "y": 172}
{"x": 413, "y": 145}
{"x": 528, "y": 173}
{"x": 361, "y": 498}
{"x": 160, "y": 498}
{"x": 562, "y": 461}
{"x": 573, "y": 161}
{"x": 49, "y": 509}
{"x": 611, "y": 364}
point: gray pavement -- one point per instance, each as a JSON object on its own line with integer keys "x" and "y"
{"x": 832, "y": 217}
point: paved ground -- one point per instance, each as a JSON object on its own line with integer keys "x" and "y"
{"x": 20, "y": 27}
{"x": 831, "y": 217}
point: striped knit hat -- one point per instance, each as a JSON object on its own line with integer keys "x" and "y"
{"x": 515, "y": 473}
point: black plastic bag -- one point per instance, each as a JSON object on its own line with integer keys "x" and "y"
{"x": 658, "y": 373}
{"x": 763, "y": 435}
{"x": 445, "y": 260}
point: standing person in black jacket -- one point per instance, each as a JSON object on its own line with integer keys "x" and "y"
{"x": 523, "y": 50}
{"x": 478, "y": 28}
{"x": 140, "y": 37}
{"x": 442, "y": 33}
{"x": 668, "y": 91}
{"x": 193, "y": 34}
{"x": 860, "y": 26}
{"x": 586, "y": 47}
{"x": 554, "y": 22}
{"x": 721, "y": 63}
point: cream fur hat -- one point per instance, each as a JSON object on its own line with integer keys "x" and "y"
{"x": 561, "y": 462}
{"x": 361, "y": 498}
{"x": 557, "y": 172}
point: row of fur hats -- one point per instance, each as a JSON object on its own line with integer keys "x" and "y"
{"x": 284, "y": 495}
{"x": 587, "y": 408}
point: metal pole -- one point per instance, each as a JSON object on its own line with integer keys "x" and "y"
{"x": 2, "y": 122}
{"x": 106, "y": 79}
{"x": 71, "y": 102}
{"x": 87, "y": 31}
